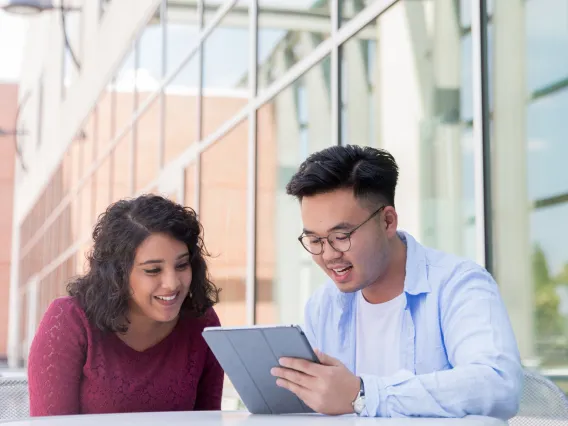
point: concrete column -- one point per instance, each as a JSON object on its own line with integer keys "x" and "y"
{"x": 447, "y": 149}
{"x": 404, "y": 92}
{"x": 316, "y": 86}
{"x": 286, "y": 283}
{"x": 511, "y": 225}
{"x": 357, "y": 94}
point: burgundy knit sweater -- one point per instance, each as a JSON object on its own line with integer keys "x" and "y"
{"x": 74, "y": 368}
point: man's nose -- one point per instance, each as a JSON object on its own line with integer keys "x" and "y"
{"x": 329, "y": 253}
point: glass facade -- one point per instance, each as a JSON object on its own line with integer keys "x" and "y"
{"x": 215, "y": 105}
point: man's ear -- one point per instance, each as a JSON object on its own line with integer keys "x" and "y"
{"x": 390, "y": 221}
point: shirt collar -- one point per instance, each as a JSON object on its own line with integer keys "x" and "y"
{"x": 416, "y": 280}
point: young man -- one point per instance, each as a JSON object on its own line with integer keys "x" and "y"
{"x": 403, "y": 330}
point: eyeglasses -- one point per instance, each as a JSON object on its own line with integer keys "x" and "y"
{"x": 339, "y": 241}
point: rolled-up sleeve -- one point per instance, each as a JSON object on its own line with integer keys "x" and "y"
{"x": 485, "y": 377}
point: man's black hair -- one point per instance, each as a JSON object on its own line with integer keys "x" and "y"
{"x": 372, "y": 173}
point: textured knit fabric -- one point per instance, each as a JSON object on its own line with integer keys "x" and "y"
{"x": 75, "y": 368}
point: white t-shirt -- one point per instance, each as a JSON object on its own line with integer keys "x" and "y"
{"x": 378, "y": 336}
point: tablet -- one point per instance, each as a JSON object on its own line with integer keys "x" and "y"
{"x": 247, "y": 354}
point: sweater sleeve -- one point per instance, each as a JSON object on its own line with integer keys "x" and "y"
{"x": 56, "y": 360}
{"x": 210, "y": 386}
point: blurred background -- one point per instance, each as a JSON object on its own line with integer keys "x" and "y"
{"x": 215, "y": 103}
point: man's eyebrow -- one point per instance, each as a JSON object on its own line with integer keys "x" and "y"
{"x": 341, "y": 226}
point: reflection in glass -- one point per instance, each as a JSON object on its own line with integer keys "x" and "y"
{"x": 293, "y": 125}
{"x": 546, "y": 42}
{"x": 88, "y": 136}
{"x": 546, "y": 146}
{"x": 223, "y": 214}
{"x": 290, "y": 30}
{"x": 106, "y": 111}
{"x": 350, "y": 8}
{"x": 190, "y": 186}
{"x": 147, "y": 146}
{"x": 121, "y": 168}
{"x": 181, "y": 103}
{"x": 549, "y": 259}
{"x": 86, "y": 209}
{"x": 182, "y": 32}
{"x": 390, "y": 99}
{"x": 225, "y": 71}
{"x": 124, "y": 92}
{"x": 529, "y": 171}
{"x": 103, "y": 182}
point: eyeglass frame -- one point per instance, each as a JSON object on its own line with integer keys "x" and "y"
{"x": 347, "y": 234}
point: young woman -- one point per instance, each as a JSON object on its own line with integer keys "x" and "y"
{"x": 128, "y": 336}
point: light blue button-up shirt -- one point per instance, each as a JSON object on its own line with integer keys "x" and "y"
{"x": 458, "y": 352}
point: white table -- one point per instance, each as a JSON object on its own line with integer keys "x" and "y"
{"x": 229, "y": 418}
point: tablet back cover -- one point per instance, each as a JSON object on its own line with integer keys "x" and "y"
{"x": 248, "y": 355}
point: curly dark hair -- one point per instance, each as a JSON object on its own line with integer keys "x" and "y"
{"x": 104, "y": 291}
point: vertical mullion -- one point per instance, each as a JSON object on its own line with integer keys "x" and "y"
{"x": 162, "y": 100}
{"x": 481, "y": 135}
{"x": 335, "y": 74}
{"x": 134, "y": 124}
{"x": 252, "y": 167}
{"x": 112, "y": 136}
{"x": 197, "y": 174}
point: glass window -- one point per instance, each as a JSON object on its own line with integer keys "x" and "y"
{"x": 182, "y": 32}
{"x": 211, "y": 8}
{"x": 549, "y": 259}
{"x": 124, "y": 87}
{"x": 223, "y": 213}
{"x": 181, "y": 118}
{"x": 121, "y": 168}
{"x": 85, "y": 198}
{"x": 530, "y": 189}
{"x": 225, "y": 71}
{"x": 66, "y": 237}
{"x": 293, "y": 125}
{"x": 74, "y": 22}
{"x": 189, "y": 186}
{"x": 105, "y": 118}
{"x": 465, "y": 12}
{"x": 546, "y": 42}
{"x": 87, "y": 136}
{"x": 149, "y": 66}
{"x": 103, "y": 186}
{"x": 288, "y": 31}
{"x": 350, "y": 8}
{"x": 547, "y": 150}
{"x": 391, "y": 100}
{"x": 147, "y": 146}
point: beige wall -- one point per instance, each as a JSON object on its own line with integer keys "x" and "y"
{"x": 8, "y": 106}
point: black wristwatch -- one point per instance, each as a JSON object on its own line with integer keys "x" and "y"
{"x": 359, "y": 402}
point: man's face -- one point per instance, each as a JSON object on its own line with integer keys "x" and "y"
{"x": 369, "y": 252}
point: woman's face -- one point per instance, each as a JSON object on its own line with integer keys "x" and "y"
{"x": 160, "y": 278}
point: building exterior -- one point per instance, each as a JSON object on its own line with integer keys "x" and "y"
{"x": 8, "y": 111}
{"x": 215, "y": 104}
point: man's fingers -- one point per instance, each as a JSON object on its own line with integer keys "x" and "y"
{"x": 296, "y": 377}
{"x": 298, "y": 390}
{"x": 306, "y": 367}
{"x": 325, "y": 359}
